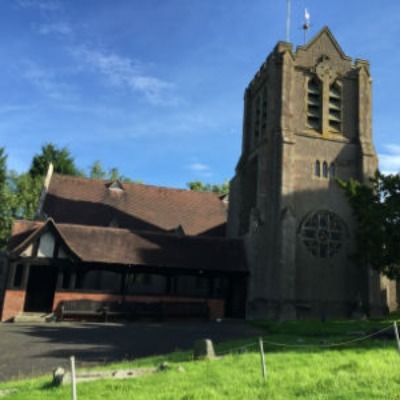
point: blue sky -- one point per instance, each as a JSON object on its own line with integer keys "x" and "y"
{"x": 155, "y": 87}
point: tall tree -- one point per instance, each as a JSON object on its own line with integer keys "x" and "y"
{"x": 25, "y": 191}
{"x": 62, "y": 160}
{"x": 377, "y": 209}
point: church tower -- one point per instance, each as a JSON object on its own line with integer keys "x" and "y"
{"x": 307, "y": 121}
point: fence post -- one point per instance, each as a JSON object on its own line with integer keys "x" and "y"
{"x": 396, "y": 332}
{"x": 73, "y": 377}
{"x": 264, "y": 374}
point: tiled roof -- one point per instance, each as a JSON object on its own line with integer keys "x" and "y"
{"x": 141, "y": 207}
{"x": 149, "y": 249}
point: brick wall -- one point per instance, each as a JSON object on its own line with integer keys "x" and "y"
{"x": 62, "y": 296}
{"x": 217, "y": 306}
{"x": 14, "y": 301}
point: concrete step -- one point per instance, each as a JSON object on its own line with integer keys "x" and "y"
{"x": 34, "y": 317}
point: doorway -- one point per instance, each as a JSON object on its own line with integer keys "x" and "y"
{"x": 41, "y": 288}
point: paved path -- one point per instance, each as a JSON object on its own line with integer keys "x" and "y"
{"x": 33, "y": 349}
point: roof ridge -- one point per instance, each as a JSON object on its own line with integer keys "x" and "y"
{"x": 105, "y": 181}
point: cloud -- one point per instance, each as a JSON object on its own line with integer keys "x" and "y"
{"x": 198, "y": 167}
{"x": 389, "y": 161}
{"x": 124, "y": 72}
{"x": 62, "y": 28}
{"x": 45, "y": 80}
{"x": 43, "y": 5}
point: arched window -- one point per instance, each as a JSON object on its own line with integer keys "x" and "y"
{"x": 325, "y": 169}
{"x": 317, "y": 168}
{"x": 335, "y": 107}
{"x": 314, "y": 105}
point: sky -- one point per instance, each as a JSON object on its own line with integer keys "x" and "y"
{"x": 155, "y": 87}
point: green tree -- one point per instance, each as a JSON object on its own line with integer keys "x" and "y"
{"x": 24, "y": 192}
{"x": 5, "y": 200}
{"x": 199, "y": 186}
{"x": 97, "y": 171}
{"x": 62, "y": 161}
{"x": 376, "y": 207}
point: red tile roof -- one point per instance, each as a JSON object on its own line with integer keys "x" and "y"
{"x": 143, "y": 207}
{"x": 152, "y": 249}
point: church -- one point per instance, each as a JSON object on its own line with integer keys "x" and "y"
{"x": 278, "y": 248}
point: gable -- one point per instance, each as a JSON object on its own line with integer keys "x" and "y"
{"x": 44, "y": 242}
{"x": 323, "y": 45}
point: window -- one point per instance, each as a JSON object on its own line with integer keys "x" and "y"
{"x": 317, "y": 169}
{"x": 325, "y": 169}
{"x": 323, "y": 233}
{"x": 314, "y": 105}
{"x": 335, "y": 107}
{"x": 324, "y": 117}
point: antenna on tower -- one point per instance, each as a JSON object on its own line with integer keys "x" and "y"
{"x": 288, "y": 21}
{"x": 306, "y": 25}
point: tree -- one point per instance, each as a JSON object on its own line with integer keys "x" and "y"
{"x": 5, "y": 212}
{"x": 61, "y": 159}
{"x": 24, "y": 192}
{"x": 199, "y": 186}
{"x": 97, "y": 171}
{"x": 376, "y": 207}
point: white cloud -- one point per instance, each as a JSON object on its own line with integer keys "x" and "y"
{"x": 198, "y": 167}
{"x": 62, "y": 28}
{"x": 389, "y": 161}
{"x": 43, "y": 5}
{"x": 124, "y": 72}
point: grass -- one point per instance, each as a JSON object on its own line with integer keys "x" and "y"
{"x": 365, "y": 370}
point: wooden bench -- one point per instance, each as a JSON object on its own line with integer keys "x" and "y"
{"x": 82, "y": 308}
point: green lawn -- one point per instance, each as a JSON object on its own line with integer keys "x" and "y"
{"x": 367, "y": 369}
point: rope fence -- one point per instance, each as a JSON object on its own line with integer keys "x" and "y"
{"x": 260, "y": 344}
{"x": 243, "y": 348}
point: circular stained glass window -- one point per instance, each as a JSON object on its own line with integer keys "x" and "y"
{"x": 323, "y": 233}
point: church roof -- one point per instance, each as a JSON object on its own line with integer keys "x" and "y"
{"x": 106, "y": 245}
{"x": 98, "y": 202}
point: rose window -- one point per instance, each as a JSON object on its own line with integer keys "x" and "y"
{"x": 323, "y": 233}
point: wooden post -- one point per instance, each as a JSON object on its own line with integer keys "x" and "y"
{"x": 73, "y": 377}
{"x": 264, "y": 373}
{"x": 396, "y": 332}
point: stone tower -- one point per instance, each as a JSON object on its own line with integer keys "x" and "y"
{"x": 307, "y": 120}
